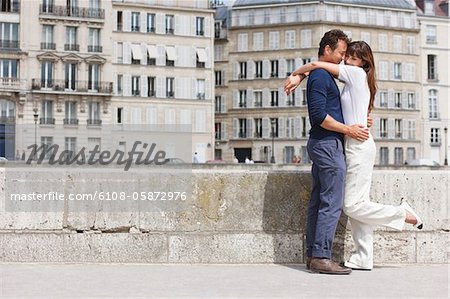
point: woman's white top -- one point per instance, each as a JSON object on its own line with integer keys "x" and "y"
{"x": 355, "y": 96}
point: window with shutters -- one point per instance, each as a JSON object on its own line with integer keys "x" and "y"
{"x": 200, "y": 26}
{"x": 119, "y": 119}
{"x": 432, "y": 64}
{"x": 200, "y": 89}
{"x": 410, "y": 47}
{"x": 398, "y": 156}
{"x": 290, "y": 66}
{"x": 306, "y": 40}
{"x": 411, "y": 100}
{"x": 258, "y": 69}
{"x": 218, "y": 104}
{"x": 242, "y": 98}
{"x": 242, "y": 70}
{"x": 170, "y": 87}
{"x": 398, "y": 128}
{"x": 397, "y": 71}
{"x": 383, "y": 73}
{"x": 274, "y": 68}
{"x": 433, "y": 104}
{"x": 258, "y": 41}
{"x": 151, "y": 88}
{"x": 135, "y": 19}
{"x": 119, "y": 52}
{"x": 304, "y": 97}
{"x": 218, "y": 131}
{"x": 151, "y": 18}
{"x": 303, "y": 122}
{"x": 258, "y": 128}
{"x": 169, "y": 24}
{"x": 410, "y": 153}
{"x": 290, "y": 100}
{"x": 242, "y": 42}
{"x": 274, "y": 127}
{"x": 430, "y": 32}
{"x": 365, "y": 36}
{"x": 383, "y": 99}
{"x": 397, "y": 43}
{"x": 384, "y": 156}
{"x": 306, "y": 60}
{"x": 257, "y": 98}
{"x": 411, "y": 129}
{"x": 242, "y": 128}
{"x": 382, "y": 42}
{"x": 398, "y": 99}
{"x": 290, "y": 39}
{"x": 119, "y": 84}
{"x": 218, "y": 78}
{"x": 119, "y": 21}
{"x": 135, "y": 89}
{"x": 274, "y": 98}
{"x": 274, "y": 40}
{"x": 383, "y": 128}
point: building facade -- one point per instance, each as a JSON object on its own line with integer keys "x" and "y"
{"x": 267, "y": 40}
{"x": 435, "y": 51}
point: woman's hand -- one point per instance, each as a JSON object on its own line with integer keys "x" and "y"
{"x": 292, "y": 82}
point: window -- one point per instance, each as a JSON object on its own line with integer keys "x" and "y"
{"x": 258, "y": 128}
{"x": 169, "y": 87}
{"x": 70, "y": 146}
{"x": 242, "y": 98}
{"x": 274, "y": 40}
{"x": 120, "y": 84}
{"x": 435, "y": 138}
{"x": 135, "y": 90}
{"x": 429, "y": 7}
{"x": 432, "y": 63}
{"x": 258, "y": 41}
{"x": 170, "y": 56}
{"x": 397, "y": 43}
{"x": 258, "y": 69}
{"x": 397, "y": 71}
{"x": 290, "y": 39}
{"x": 411, "y": 126}
{"x": 432, "y": 104}
{"x": 217, "y": 29}
{"x": 119, "y": 20}
{"x": 46, "y": 74}
{"x": 410, "y": 153}
{"x": 410, "y": 44}
{"x": 119, "y": 115}
{"x": 306, "y": 40}
{"x": 365, "y": 36}
{"x": 384, "y": 156}
{"x": 383, "y": 73}
{"x": 242, "y": 128}
{"x": 94, "y": 77}
{"x": 398, "y": 156}
{"x": 218, "y": 78}
{"x": 383, "y": 128}
{"x": 219, "y": 104}
{"x": 94, "y": 113}
{"x": 47, "y": 38}
{"x": 71, "y": 39}
{"x": 151, "y": 88}
{"x": 200, "y": 26}
{"x": 46, "y": 142}
{"x": 169, "y": 24}
{"x": 304, "y": 130}
{"x": 9, "y": 35}
{"x": 70, "y": 74}
{"x": 383, "y": 99}
{"x": 119, "y": 52}
{"x": 9, "y": 68}
{"x": 274, "y": 98}
{"x": 274, "y": 68}
{"x": 382, "y": 42}
{"x": 398, "y": 128}
{"x": 290, "y": 66}
{"x": 200, "y": 89}
{"x": 431, "y": 34}
{"x": 242, "y": 42}
{"x": 47, "y": 113}
{"x": 218, "y": 131}
{"x": 135, "y": 18}
{"x": 411, "y": 100}
{"x": 71, "y": 113}
{"x": 257, "y": 98}
{"x": 200, "y": 58}
{"x": 273, "y": 127}
{"x": 242, "y": 70}
{"x": 398, "y": 99}
{"x": 306, "y": 60}
{"x": 47, "y": 6}
{"x": 94, "y": 40}
{"x": 72, "y": 8}
{"x": 150, "y": 22}
{"x": 290, "y": 101}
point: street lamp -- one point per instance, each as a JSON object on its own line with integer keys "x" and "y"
{"x": 272, "y": 122}
{"x": 446, "y": 146}
{"x": 35, "y": 115}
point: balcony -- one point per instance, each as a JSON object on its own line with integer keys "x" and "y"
{"x": 9, "y": 44}
{"x": 48, "y": 46}
{"x": 71, "y": 47}
{"x": 71, "y": 121}
{"x": 94, "y": 122}
{"x": 10, "y": 6}
{"x": 9, "y": 83}
{"x": 78, "y": 86}
{"x": 74, "y": 12}
{"x": 46, "y": 121}
{"x": 97, "y": 49}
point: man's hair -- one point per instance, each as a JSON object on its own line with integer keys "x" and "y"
{"x": 331, "y": 39}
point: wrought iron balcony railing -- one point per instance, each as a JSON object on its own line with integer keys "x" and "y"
{"x": 76, "y": 12}
{"x": 46, "y": 121}
{"x": 71, "y": 121}
{"x": 75, "y": 86}
{"x": 98, "y": 49}
{"x": 94, "y": 122}
{"x": 9, "y": 44}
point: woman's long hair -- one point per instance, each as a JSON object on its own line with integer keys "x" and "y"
{"x": 363, "y": 51}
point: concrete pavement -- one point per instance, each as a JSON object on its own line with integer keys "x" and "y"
{"x": 218, "y": 281}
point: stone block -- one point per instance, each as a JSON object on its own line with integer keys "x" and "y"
{"x": 433, "y": 247}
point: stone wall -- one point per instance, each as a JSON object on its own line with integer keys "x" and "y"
{"x": 237, "y": 214}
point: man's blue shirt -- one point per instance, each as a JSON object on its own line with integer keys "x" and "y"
{"x": 323, "y": 98}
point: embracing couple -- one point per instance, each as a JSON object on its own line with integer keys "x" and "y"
{"x": 343, "y": 154}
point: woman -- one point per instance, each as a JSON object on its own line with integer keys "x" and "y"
{"x": 357, "y": 100}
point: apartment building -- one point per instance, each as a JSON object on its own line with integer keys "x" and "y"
{"x": 435, "y": 48}
{"x": 65, "y": 78}
{"x": 267, "y": 40}
{"x": 163, "y": 68}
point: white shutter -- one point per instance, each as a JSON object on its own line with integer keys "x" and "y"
{"x": 127, "y": 53}
{"x": 282, "y": 68}
{"x": 266, "y": 69}
{"x": 376, "y": 127}
{"x": 405, "y": 128}
{"x": 235, "y": 70}
{"x": 144, "y": 54}
{"x": 235, "y": 128}
{"x": 178, "y": 87}
{"x": 392, "y": 70}
{"x": 413, "y": 72}
{"x": 281, "y": 127}
{"x": 115, "y": 50}
{"x": 114, "y": 20}
{"x": 127, "y": 85}
{"x": 151, "y": 116}
{"x": 235, "y": 99}
{"x": 298, "y": 62}
{"x": 391, "y": 128}
{"x": 193, "y": 88}
{"x": 404, "y": 99}
{"x": 178, "y": 24}
{"x": 193, "y": 25}
{"x": 265, "y": 127}
{"x": 161, "y": 58}
{"x": 298, "y": 97}
{"x": 249, "y": 127}
{"x": 250, "y": 97}
{"x": 160, "y": 23}
{"x": 281, "y": 97}
{"x": 208, "y": 57}
{"x": 208, "y": 88}
{"x": 266, "y": 97}
{"x": 143, "y": 22}
{"x": 144, "y": 87}
{"x": 391, "y": 94}
{"x": 377, "y": 103}
{"x": 222, "y": 104}
{"x": 250, "y": 69}
{"x": 160, "y": 87}
{"x": 207, "y": 26}
{"x": 126, "y": 20}
{"x": 297, "y": 127}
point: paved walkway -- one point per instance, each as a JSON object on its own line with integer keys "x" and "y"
{"x": 218, "y": 281}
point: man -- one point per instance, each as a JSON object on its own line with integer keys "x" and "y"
{"x": 325, "y": 148}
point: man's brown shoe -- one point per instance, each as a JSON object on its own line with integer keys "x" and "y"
{"x": 326, "y": 266}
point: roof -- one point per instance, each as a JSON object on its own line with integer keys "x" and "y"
{"x": 440, "y": 8}
{"x": 403, "y": 4}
